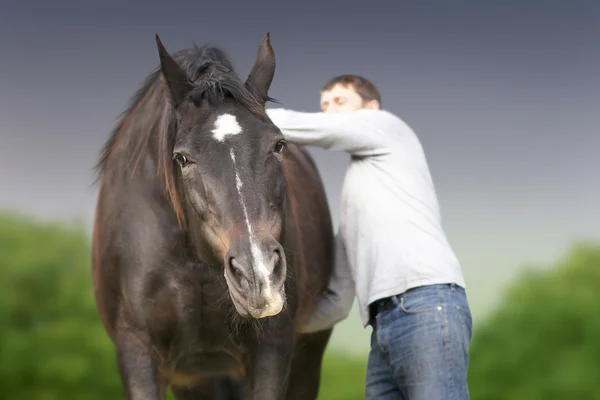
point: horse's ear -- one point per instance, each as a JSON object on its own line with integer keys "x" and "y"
{"x": 175, "y": 77}
{"x": 260, "y": 77}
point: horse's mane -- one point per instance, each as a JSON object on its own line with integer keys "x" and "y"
{"x": 150, "y": 117}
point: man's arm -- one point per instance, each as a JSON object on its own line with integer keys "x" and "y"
{"x": 363, "y": 132}
{"x": 335, "y": 303}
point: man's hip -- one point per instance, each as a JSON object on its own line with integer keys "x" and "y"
{"x": 419, "y": 344}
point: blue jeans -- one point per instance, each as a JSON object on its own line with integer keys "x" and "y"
{"x": 419, "y": 345}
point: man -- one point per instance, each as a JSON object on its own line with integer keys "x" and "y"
{"x": 392, "y": 252}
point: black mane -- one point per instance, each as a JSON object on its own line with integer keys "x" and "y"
{"x": 214, "y": 78}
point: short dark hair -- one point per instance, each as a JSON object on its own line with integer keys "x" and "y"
{"x": 364, "y": 87}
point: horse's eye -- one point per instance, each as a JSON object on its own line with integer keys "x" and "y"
{"x": 279, "y": 146}
{"x": 181, "y": 159}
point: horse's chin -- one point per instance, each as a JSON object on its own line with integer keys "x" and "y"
{"x": 271, "y": 308}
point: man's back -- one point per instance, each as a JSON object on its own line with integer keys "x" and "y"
{"x": 390, "y": 220}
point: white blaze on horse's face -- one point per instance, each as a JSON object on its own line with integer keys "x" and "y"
{"x": 227, "y": 125}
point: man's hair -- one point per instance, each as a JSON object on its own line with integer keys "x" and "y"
{"x": 364, "y": 87}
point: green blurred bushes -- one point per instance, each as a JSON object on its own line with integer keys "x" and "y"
{"x": 52, "y": 345}
{"x": 542, "y": 343}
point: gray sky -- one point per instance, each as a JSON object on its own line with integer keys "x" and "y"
{"x": 503, "y": 95}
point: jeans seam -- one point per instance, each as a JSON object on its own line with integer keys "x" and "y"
{"x": 446, "y": 347}
{"x": 380, "y": 335}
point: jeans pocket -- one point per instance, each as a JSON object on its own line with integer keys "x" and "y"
{"x": 421, "y": 300}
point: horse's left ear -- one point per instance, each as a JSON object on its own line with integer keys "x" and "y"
{"x": 175, "y": 77}
{"x": 262, "y": 73}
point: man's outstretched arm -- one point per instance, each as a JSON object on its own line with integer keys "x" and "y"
{"x": 363, "y": 132}
{"x": 335, "y": 303}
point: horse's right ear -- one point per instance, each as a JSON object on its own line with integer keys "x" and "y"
{"x": 262, "y": 73}
{"x": 175, "y": 77}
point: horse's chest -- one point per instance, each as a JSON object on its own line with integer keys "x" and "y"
{"x": 192, "y": 310}
{"x": 191, "y": 324}
{"x": 191, "y": 303}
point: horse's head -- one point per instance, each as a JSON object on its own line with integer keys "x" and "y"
{"x": 227, "y": 156}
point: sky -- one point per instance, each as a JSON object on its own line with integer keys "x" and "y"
{"x": 504, "y": 96}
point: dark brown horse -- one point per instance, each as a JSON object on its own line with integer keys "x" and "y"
{"x": 212, "y": 238}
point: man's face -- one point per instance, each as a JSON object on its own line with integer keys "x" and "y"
{"x": 343, "y": 99}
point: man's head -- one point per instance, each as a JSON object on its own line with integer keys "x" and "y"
{"x": 345, "y": 93}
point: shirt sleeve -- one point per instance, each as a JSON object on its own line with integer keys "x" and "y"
{"x": 335, "y": 303}
{"x": 364, "y": 132}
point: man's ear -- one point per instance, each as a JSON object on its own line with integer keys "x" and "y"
{"x": 372, "y": 104}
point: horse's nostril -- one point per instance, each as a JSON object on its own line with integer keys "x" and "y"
{"x": 278, "y": 265}
{"x": 277, "y": 258}
{"x": 237, "y": 272}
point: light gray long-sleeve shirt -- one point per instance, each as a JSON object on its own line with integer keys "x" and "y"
{"x": 390, "y": 236}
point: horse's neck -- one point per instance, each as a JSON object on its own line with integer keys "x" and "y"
{"x": 291, "y": 237}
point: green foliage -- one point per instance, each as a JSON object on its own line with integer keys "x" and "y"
{"x": 343, "y": 377}
{"x": 52, "y": 343}
{"x": 543, "y": 342}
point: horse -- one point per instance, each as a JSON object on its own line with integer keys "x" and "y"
{"x": 212, "y": 237}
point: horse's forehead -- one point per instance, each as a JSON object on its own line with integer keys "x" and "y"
{"x": 225, "y": 125}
